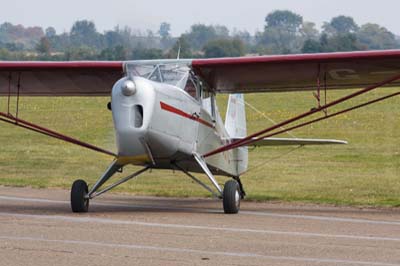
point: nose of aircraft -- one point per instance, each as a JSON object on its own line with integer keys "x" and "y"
{"x": 132, "y": 107}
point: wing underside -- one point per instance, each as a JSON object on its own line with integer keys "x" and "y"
{"x": 59, "y": 78}
{"x": 225, "y": 75}
{"x": 299, "y": 72}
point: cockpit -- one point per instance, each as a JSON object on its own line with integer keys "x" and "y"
{"x": 172, "y": 72}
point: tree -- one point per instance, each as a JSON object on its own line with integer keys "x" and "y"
{"x": 281, "y": 32}
{"x": 19, "y": 35}
{"x": 166, "y": 39}
{"x": 84, "y": 33}
{"x": 224, "y": 48}
{"x": 164, "y": 30}
{"x": 221, "y": 31}
{"x": 373, "y": 36}
{"x": 60, "y": 43}
{"x": 308, "y": 31}
{"x": 244, "y": 36}
{"x": 14, "y": 46}
{"x": 284, "y": 20}
{"x": 309, "y": 38}
{"x": 5, "y": 54}
{"x": 199, "y": 35}
{"x": 147, "y": 54}
{"x": 340, "y": 25}
{"x": 340, "y": 34}
{"x": 50, "y": 32}
{"x": 80, "y": 53}
{"x": 340, "y": 43}
{"x": 83, "y": 27}
{"x": 311, "y": 46}
{"x": 118, "y": 53}
{"x": 43, "y": 47}
{"x": 112, "y": 39}
{"x": 182, "y": 46}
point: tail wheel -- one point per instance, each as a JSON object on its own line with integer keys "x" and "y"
{"x": 231, "y": 197}
{"x": 79, "y": 200}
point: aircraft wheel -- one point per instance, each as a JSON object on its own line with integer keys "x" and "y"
{"x": 79, "y": 202}
{"x": 231, "y": 197}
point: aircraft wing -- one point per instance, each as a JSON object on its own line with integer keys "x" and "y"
{"x": 59, "y": 78}
{"x": 293, "y": 141}
{"x": 279, "y": 73}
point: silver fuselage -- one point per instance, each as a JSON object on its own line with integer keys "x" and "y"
{"x": 162, "y": 125}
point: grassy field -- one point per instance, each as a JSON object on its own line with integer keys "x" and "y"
{"x": 365, "y": 172}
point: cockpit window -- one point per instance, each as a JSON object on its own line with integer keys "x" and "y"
{"x": 190, "y": 88}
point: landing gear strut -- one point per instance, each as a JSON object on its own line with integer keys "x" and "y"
{"x": 80, "y": 194}
{"x": 233, "y": 190}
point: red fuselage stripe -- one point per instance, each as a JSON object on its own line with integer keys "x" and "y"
{"x": 174, "y": 110}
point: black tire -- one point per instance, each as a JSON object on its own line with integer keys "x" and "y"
{"x": 231, "y": 197}
{"x": 79, "y": 202}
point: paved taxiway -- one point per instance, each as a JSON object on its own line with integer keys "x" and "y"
{"x": 37, "y": 228}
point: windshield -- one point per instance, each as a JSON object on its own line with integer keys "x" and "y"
{"x": 173, "y": 72}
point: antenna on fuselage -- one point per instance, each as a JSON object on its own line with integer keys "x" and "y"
{"x": 179, "y": 51}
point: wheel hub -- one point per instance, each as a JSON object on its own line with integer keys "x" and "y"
{"x": 237, "y": 198}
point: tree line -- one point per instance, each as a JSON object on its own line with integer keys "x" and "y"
{"x": 285, "y": 32}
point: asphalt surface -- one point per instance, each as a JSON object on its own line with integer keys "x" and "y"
{"x": 38, "y": 228}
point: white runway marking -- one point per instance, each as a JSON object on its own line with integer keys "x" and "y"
{"x": 195, "y": 251}
{"x": 33, "y": 200}
{"x": 194, "y": 227}
{"x": 323, "y": 218}
{"x": 274, "y": 215}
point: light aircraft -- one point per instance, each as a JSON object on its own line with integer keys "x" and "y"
{"x": 166, "y": 117}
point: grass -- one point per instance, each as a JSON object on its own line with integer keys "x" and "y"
{"x": 365, "y": 172}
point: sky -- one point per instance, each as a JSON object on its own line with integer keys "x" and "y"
{"x": 148, "y": 14}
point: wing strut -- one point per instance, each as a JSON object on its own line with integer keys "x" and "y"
{"x": 8, "y": 118}
{"x": 15, "y": 120}
{"x": 260, "y": 135}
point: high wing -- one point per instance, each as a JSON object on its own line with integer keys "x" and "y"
{"x": 59, "y": 78}
{"x": 293, "y": 141}
{"x": 299, "y": 72}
